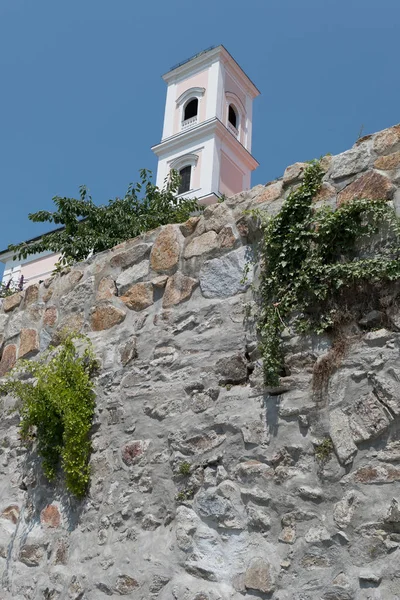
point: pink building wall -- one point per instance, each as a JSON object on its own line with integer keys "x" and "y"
{"x": 198, "y": 80}
{"x": 39, "y": 269}
{"x": 231, "y": 180}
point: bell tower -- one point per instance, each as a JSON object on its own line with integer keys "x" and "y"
{"x": 208, "y": 126}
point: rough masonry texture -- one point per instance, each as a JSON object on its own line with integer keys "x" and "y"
{"x": 205, "y": 485}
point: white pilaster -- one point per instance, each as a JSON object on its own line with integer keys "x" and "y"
{"x": 169, "y": 111}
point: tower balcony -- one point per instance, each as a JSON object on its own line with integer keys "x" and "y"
{"x": 189, "y": 123}
{"x": 233, "y": 129}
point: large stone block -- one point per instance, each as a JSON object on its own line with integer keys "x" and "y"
{"x": 387, "y": 140}
{"x": 28, "y": 343}
{"x": 232, "y": 369}
{"x": 130, "y": 257}
{"x": 139, "y": 296}
{"x": 325, "y": 193}
{"x": 225, "y": 276}
{"x": 11, "y": 513}
{"x": 8, "y": 359}
{"x": 50, "y": 316}
{"x": 132, "y": 275}
{"x": 31, "y": 294}
{"x": 341, "y": 436}
{"x": 106, "y": 289}
{"x": 203, "y": 244}
{"x": 165, "y": 253}
{"x": 294, "y": 173}
{"x": 14, "y": 324}
{"x": 11, "y": 302}
{"x": 371, "y": 186}
{"x": 260, "y": 576}
{"x": 271, "y": 192}
{"x": 215, "y": 217}
{"x": 178, "y": 289}
{"x": 377, "y": 474}
{"x": 351, "y": 162}
{"x": 106, "y": 316}
{"x": 389, "y": 162}
{"x": 50, "y": 516}
{"x": 31, "y": 555}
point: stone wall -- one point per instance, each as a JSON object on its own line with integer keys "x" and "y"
{"x": 264, "y": 511}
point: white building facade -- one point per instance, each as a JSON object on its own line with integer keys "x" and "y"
{"x": 208, "y": 127}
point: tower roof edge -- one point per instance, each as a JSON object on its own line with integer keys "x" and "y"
{"x": 204, "y": 58}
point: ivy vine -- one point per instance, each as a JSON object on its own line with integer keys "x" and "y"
{"x": 310, "y": 257}
{"x": 56, "y": 408}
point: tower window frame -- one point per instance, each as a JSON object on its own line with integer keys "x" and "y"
{"x": 185, "y": 174}
{"x": 190, "y": 109}
{"x": 182, "y": 103}
{"x": 234, "y": 103}
{"x": 233, "y": 116}
{"x": 183, "y": 162}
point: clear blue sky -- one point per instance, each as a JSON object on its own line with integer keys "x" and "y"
{"x": 82, "y": 97}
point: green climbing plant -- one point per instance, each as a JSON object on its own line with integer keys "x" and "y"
{"x": 56, "y": 406}
{"x": 310, "y": 257}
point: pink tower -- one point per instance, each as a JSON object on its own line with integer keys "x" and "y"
{"x": 208, "y": 127}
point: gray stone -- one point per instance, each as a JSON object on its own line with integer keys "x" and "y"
{"x": 14, "y": 325}
{"x": 131, "y": 256}
{"x": 341, "y": 436}
{"x": 350, "y": 162}
{"x": 203, "y": 244}
{"x": 216, "y": 216}
{"x": 393, "y": 514}
{"x": 310, "y": 493}
{"x": 369, "y": 419}
{"x": 316, "y": 535}
{"x": 344, "y": 509}
{"x": 132, "y": 275}
{"x": 224, "y": 277}
{"x": 367, "y": 575}
{"x": 232, "y": 369}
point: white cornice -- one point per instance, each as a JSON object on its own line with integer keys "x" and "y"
{"x": 198, "y": 133}
{"x": 203, "y": 61}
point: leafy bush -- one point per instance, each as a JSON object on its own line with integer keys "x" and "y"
{"x": 312, "y": 257}
{"x": 56, "y": 408}
{"x": 88, "y": 228}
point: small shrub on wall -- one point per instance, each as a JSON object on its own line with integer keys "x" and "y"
{"x": 56, "y": 408}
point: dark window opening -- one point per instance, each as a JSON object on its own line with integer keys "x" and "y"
{"x": 191, "y": 109}
{"x": 184, "y": 185}
{"x": 232, "y": 116}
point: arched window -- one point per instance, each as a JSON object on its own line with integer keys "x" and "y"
{"x": 191, "y": 109}
{"x": 233, "y": 116}
{"x": 185, "y": 174}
